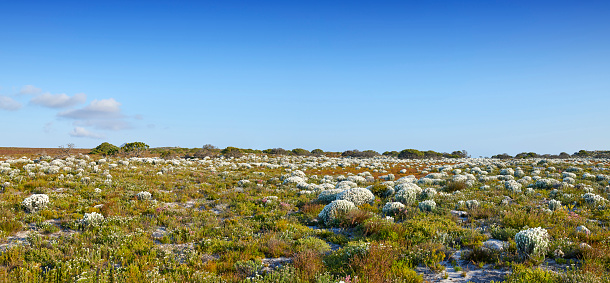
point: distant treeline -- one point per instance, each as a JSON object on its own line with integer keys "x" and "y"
{"x": 209, "y": 150}
{"x": 581, "y": 154}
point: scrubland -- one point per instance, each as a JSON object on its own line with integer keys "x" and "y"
{"x": 276, "y": 218}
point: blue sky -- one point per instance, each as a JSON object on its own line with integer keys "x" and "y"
{"x": 485, "y": 76}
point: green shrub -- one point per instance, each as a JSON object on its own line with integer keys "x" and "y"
{"x": 134, "y": 148}
{"x": 10, "y": 226}
{"x": 503, "y": 234}
{"x": 105, "y": 149}
{"x": 312, "y": 243}
{"x": 232, "y": 152}
{"x": 301, "y": 152}
{"x": 522, "y": 274}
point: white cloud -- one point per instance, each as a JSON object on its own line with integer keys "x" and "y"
{"x": 81, "y": 132}
{"x": 29, "y": 89}
{"x": 104, "y": 124}
{"x": 97, "y": 109}
{"x": 58, "y": 100}
{"x": 102, "y": 114}
{"x": 7, "y": 103}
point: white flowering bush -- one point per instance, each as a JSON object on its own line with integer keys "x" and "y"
{"x": 92, "y": 219}
{"x": 144, "y": 195}
{"x": 391, "y": 208}
{"x": 554, "y": 205}
{"x": 519, "y": 173}
{"x": 593, "y": 199}
{"x": 459, "y": 178}
{"x": 358, "y": 196}
{"x": 505, "y": 177}
{"x": 428, "y": 193}
{"x": 411, "y": 186}
{"x": 299, "y": 173}
{"x": 568, "y": 174}
{"x": 544, "y": 183}
{"x": 406, "y": 196}
{"x": 427, "y": 205}
{"x": 554, "y": 193}
{"x": 293, "y": 180}
{"x": 334, "y": 209}
{"x": 471, "y": 204}
{"x": 513, "y": 186}
{"x": 329, "y": 195}
{"x": 533, "y": 241}
{"x": 35, "y": 202}
{"x": 346, "y": 185}
{"x": 356, "y": 179}
{"x": 602, "y": 177}
{"x": 526, "y": 179}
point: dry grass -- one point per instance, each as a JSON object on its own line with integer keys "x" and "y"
{"x": 376, "y": 266}
{"x": 308, "y": 264}
{"x": 32, "y": 152}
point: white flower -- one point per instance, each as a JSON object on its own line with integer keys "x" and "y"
{"x": 143, "y": 196}
{"x": 532, "y": 241}
{"x": 346, "y": 185}
{"x": 406, "y": 195}
{"x": 329, "y": 195}
{"x": 545, "y": 183}
{"x": 293, "y": 180}
{"x": 568, "y": 174}
{"x": 473, "y": 203}
{"x": 460, "y": 178}
{"x": 35, "y": 202}
{"x": 92, "y": 219}
{"x": 428, "y": 193}
{"x": 554, "y": 204}
{"x": 357, "y": 179}
{"x": 427, "y": 205}
{"x": 593, "y": 199}
{"x": 412, "y": 186}
{"x": 392, "y": 208}
{"x": 513, "y": 186}
{"x": 334, "y": 209}
{"x": 358, "y": 196}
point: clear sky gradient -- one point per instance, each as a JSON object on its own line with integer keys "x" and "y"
{"x": 485, "y": 76}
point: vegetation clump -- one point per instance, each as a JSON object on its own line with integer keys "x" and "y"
{"x": 105, "y": 149}
{"x": 334, "y": 209}
{"x": 35, "y": 202}
{"x": 532, "y": 241}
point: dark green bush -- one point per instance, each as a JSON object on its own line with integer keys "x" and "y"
{"x": 301, "y": 152}
{"x": 105, "y": 149}
{"x": 232, "y": 152}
